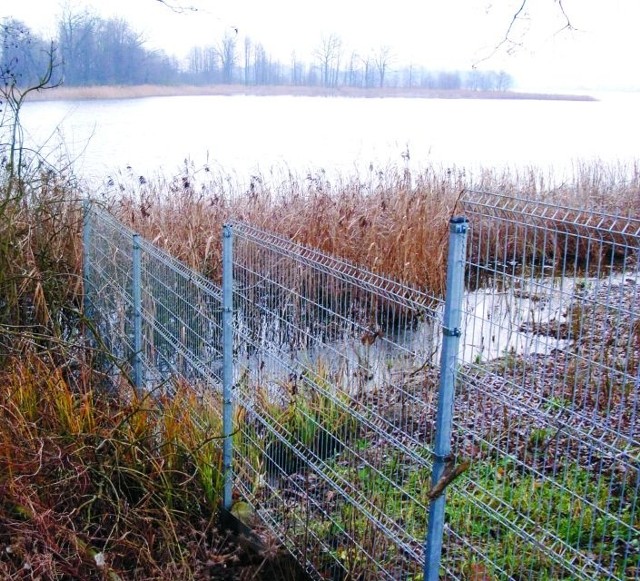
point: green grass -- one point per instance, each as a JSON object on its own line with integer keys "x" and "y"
{"x": 538, "y": 504}
{"x": 575, "y": 513}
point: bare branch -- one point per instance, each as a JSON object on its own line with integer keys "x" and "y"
{"x": 507, "y": 36}
{"x": 178, "y": 8}
{"x": 568, "y": 25}
{"x": 507, "y": 40}
{"x": 512, "y": 23}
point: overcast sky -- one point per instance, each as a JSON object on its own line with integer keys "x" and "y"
{"x": 600, "y": 52}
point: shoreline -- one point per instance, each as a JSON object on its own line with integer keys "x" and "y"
{"x": 146, "y": 91}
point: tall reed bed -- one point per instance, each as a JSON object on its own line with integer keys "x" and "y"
{"x": 92, "y": 485}
{"x": 40, "y": 258}
{"x": 95, "y": 483}
{"x": 393, "y": 221}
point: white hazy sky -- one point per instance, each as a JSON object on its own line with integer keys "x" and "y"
{"x": 600, "y": 53}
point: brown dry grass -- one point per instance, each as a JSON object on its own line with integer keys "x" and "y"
{"x": 98, "y": 486}
{"x": 94, "y": 483}
{"x": 141, "y": 91}
{"x": 392, "y": 223}
{"x": 40, "y": 261}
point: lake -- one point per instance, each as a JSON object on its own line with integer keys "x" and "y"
{"x": 244, "y": 135}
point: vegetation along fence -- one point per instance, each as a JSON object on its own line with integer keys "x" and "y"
{"x": 336, "y": 387}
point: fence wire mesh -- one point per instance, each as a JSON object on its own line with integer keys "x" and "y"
{"x": 547, "y": 400}
{"x": 180, "y": 310}
{"x": 335, "y": 382}
{"x": 336, "y": 378}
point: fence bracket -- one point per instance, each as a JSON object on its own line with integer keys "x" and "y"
{"x": 451, "y": 332}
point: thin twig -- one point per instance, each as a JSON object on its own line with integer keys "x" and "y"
{"x": 507, "y": 36}
{"x": 449, "y": 475}
{"x": 568, "y": 25}
{"x": 178, "y": 9}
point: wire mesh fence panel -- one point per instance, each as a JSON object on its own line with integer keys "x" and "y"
{"x": 183, "y": 320}
{"x": 180, "y": 310}
{"x": 547, "y": 400}
{"x": 108, "y": 270}
{"x": 336, "y": 383}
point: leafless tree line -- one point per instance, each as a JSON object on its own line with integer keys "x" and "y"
{"x": 94, "y": 51}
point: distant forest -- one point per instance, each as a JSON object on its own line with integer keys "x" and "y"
{"x": 90, "y": 50}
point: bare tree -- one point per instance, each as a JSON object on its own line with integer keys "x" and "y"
{"x": 369, "y": 71}
{"x": 297, "y": 70}
{"x": 248, "y": 51}
{"x": 328, "y": 55}
{"x": 504, "y": 81}
{"x": 227, "y": 55}
{"x": 382, "y": 59}
{"x": 22, "y": 55}
{"x": 261, "y": 64}
{"x": 98, "y": 51}
{"x": 409, "y": 76}
{"x": 76, "y": 35}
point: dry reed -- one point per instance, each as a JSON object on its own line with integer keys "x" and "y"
{"x": 392, "y": 222}
{"x": 94, "y": 483}
{"x": 94, "y": 487}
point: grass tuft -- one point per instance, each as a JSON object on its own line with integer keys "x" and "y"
{"x": 86, "y": 474}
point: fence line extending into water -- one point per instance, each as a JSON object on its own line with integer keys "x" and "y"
{"x": 336, "y": 398}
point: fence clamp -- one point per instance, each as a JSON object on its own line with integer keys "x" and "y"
{"x": 455, "y": 332}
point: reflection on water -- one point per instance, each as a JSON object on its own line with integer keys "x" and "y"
{"x": 355, "y": 360}
{"x": 530, "y": 317}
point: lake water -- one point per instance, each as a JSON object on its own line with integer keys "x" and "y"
{"x": 244, "y": 135}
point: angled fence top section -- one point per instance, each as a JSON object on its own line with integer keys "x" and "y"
{"x": 596, "y": 224}
{"x": 398, "y": 292}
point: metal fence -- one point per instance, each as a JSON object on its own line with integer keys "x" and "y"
{"x": 547, "y": 399}
{"x": 154, "y": 318}
{"x": 335, "y": 373}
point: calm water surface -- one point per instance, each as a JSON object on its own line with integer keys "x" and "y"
{"x": 243, "y": 135}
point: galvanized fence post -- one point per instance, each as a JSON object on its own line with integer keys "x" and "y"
{"x": 137, "y": 313}
{"x": 227, "y": 363}
{"x": 86, "y": 266}
{"x": 458, "y": 228}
